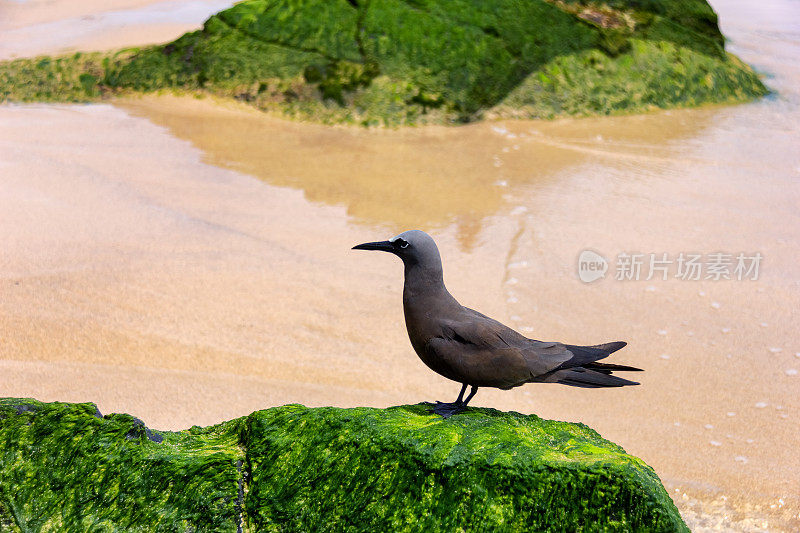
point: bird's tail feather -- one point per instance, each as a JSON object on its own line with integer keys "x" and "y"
{"x": 583, "y": 355}
{"x": 607, "y": 348}
{"x": 607, "y": 368}
{"x": 580, "y": 377}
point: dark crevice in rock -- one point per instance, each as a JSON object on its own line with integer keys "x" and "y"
{"x": 240, "y": 496}
{"x": 25, "y": 408}
{"x": 138, "y": 427}
{"x": 491, "y": 30}
{"x": 244, "y": 468}
{"x": 187, "y": 57}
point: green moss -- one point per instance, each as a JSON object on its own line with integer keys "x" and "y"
{"x": 651, "y": 75}
{"x": 71, "y": 78}
{"x": 404, "y": 469}
{"x": 64, "y": 467}
{"x": 398, "y": 62}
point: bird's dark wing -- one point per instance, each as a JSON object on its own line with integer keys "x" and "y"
{"x": 479, "y": 350}
{"x": 506, "y": 335}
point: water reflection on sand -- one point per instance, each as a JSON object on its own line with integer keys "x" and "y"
{"x": 428, "y": 178}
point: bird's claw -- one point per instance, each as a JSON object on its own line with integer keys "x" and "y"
{"x": 446, "y": 410}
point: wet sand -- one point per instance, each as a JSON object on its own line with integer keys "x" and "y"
{"x": 34, "y": 27}
{"x": 187, "y": 261}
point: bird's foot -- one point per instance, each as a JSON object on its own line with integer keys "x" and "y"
{"x": 446, "y": 410}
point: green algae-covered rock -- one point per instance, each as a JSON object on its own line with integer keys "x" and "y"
{"x": 65, "y": 467}
{"x": 410, "y": 61}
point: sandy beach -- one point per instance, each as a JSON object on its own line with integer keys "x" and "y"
{"x": 188, "y": 260}
{"x": 33, "y": 27}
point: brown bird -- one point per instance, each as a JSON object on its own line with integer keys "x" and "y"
{"x": 477, "y": 351}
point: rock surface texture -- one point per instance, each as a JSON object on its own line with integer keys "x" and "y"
{"x": 395, "y": 62}
{"x": 66, "y": 467}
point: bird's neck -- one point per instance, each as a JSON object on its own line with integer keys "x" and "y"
{"x": 427, "y": 277}
{"x": 425, "y": 302}
{"x": 424, "y": 284}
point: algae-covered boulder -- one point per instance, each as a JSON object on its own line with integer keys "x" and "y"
{"x": 66, "y": 467}
{"x": 411, "y": 61}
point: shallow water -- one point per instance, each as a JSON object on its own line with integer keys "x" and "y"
{"x": 188, "y": 262}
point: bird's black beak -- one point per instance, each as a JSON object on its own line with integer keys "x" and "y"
{"x": 383, "y": 246}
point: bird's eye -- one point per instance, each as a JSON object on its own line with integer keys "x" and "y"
{"x": 400, "y": 243}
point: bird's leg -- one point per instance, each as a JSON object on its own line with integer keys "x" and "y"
{"x": 471, "y": 394}
{"x": 446, "y": 410}
{"x": 461, "y": 394}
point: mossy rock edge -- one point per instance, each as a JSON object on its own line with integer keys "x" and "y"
{"x": 65, "y": 467}
{"x": 402, "y": 62}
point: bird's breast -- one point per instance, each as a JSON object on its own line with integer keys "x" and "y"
{"x": 419, "y": 324}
